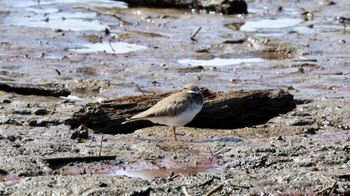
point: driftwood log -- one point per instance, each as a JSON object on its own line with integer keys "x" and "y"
{"x": 55, "y": 90}
{"x": 220, "y": 6}
{"x": 234, "y": 109}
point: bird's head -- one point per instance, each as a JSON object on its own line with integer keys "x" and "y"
{"x": 190, "y": 88}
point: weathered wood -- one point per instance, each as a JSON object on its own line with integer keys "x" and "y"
{"x": 229, "y": 110}
{"x": 55, "y": 90}
{"x": 220, "y": 6}
{"x": 57, "y": 163}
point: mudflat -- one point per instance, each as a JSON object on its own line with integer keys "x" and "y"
{"x": 58, "y": 56}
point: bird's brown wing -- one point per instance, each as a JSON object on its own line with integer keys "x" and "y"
{"x": 169, "y": 106}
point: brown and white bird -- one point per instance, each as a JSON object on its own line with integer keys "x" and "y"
{"x": 176, "y": 110}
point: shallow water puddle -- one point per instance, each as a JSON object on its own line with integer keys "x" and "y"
{"x": 97, "y": 3}
{"x": 77, "y": 21}
{"x": 221, "y": 139}
{"x": 10, "y": 180}
{"x": 144, "y": 172}
{"x": 219, "y": 61}
{"x": 116, "y": 48}
{"x": 38, "y": 15}
{"x": 270, "y": 24}
{"x": 334, "y": 136}
{"x": 145, "y": 169}
{"x": 164, "y": 173}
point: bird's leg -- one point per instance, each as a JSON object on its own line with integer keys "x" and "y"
{"x": 174, "y": 129}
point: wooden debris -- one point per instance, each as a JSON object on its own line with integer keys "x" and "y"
{"x": 220, "y": 6}
{"x": 55, "y": 90}
{"x": 234, "y": 109}
{"x": 217, "y": 188}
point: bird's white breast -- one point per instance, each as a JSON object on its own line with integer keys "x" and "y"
{"x": 178, "y": 120}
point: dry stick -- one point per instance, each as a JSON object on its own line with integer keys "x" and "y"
{"x": 209, "y": 181}
{"x": 112, "y": 171}
{"x": 58, "y": 72}
{"x": 238, "y": 187}
{"x": 103, "y": 13}
{"x": 161, "y": 147}
{"x": 332, "y": 188}
{"x": 183, "y": 188}
{"x": 214, "y": 189}
{"x": 325, "y": 189}
{"x": 110, "y": 44}
{"x": 138, "y": 88}
{"x": 194, "y": 35}
{"x": 99, "y": 154}
{"x": 50, "y": 114}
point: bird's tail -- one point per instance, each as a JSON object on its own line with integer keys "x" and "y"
{"x": 128, "y": 120}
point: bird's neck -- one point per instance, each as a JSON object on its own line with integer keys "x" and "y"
{"x": 194, "y": 92}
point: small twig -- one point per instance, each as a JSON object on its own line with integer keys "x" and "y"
{"x": 50, "y": 114}
{"x": 209, "y": 181}
{"x": 138, "y": 88}
{"x": 213, "y": 155}
{"x": 184, "y": 190}
{"x": 172, "y": 176}
{"x": 110, "y": 44}
{"x": 58, "y": 72}
{"x": 99, "y": 154}
{"x": 112, "y": 171}
{"x": 156, "y": 164}
{"x": 161, "y": 147}
{"x": 217, "y": 188}
{"x": 219, "y": 151}
{"x": 141, "y": 154}
{"x": 193, "y": 37}
{"x": 211, "y": 152}
{"x": 332, "y": 188}
{"x": 238, "y": 187}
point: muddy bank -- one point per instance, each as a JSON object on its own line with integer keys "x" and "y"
{"x": 105, "y": 50}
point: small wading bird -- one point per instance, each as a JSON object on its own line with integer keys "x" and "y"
{"x": 344, "y": 21}
{"x": 176, "y": 110}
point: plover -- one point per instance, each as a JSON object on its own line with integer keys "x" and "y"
{"x": 176, "y": 110}
{"x": 344, "y": 21}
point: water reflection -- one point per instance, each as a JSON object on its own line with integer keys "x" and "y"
{"x": 222, "y": 139}
{"x": 164, "y": 172}
{"x": 219, "y": 61}
{"x": 270, "y": 24}
{"x": 117, "y": 48}
{"x": 77, "y": 21}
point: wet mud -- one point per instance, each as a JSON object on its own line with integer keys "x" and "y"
{"x": 58, "y": 56}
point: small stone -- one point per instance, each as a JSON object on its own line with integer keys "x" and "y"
{"x": 197, "y": 78}
{"x": 310, "y": 131}
{"x": 16, "y": 146}
{"x": 41, "y": 112}
{"x": 102, "y": 184}
{"x": 107, "y": 31}
{"x": 12, "y": 138}
{"x": 6, "y": 101}
{"x": 3, "y": 172}
{"x": 80, "y": 133}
